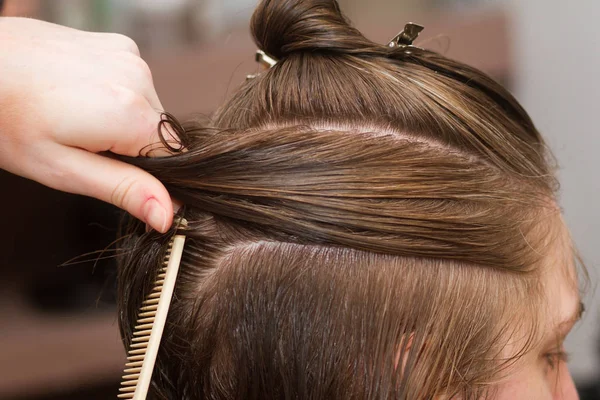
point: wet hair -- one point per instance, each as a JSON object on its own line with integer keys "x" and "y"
{"x": 364, "y": 222}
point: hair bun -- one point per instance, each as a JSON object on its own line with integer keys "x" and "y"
{"x": 282, "y": 27}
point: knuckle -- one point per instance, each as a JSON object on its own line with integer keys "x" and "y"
{"x": 137, "y": 72}
{"x": 129, "y": 100}
{"x": 127, "y": 43}
{"x": 132, "y": 110}
{"x": 123, "y": 192}
{"x": 143, "y": 69}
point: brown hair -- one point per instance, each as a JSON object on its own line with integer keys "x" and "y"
{"x": 362, "y": 224}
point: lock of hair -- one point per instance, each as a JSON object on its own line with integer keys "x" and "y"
{"x": 150, "y": 323}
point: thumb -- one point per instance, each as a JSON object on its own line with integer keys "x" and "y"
{"x": 113, "y": 181}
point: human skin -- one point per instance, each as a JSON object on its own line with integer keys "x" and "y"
{"x": 542, "y": 374}
{"x": 67, "y": 95}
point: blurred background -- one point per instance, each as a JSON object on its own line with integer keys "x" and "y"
{"x": 59, "y": 337}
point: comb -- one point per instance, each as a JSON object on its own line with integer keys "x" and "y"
{"x": 150, "y": 325}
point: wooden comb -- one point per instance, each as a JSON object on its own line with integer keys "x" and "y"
{"x": 150, "y": 325}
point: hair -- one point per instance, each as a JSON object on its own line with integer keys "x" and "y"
{"x": 363, "y": 222}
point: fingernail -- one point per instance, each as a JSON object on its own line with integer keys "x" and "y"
{"x": 156, "y": 215}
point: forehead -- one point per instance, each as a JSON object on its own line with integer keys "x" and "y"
{"x": 559, "y": 274}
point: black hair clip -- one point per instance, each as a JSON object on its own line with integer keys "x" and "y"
{"x": 263, "y": 59}
{"x": 407, "y": 36}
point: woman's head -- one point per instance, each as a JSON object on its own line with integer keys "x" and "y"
{"x": 364, "y": 222}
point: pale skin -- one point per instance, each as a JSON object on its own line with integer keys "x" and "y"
{"x": 67, "y": 95}
{"x": 542, "y": 374}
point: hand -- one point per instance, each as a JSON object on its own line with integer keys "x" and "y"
{"x": 65, "y": 95}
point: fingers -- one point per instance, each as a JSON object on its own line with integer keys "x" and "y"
{"x": 106, "y": 41}
{"x": 136, "y": 75}
{"x": 127, "y": 187}
{"x": 123, "y": 121}
{"x": 84, "y": 93}
{"x": 115, "y": 41}
{"x": 139, "y": 135}
{"x": 176, "y": 207}
{"x": 44, "y": 29}
{"x": 152, "y": 98}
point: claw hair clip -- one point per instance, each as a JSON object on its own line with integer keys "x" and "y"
{"x": 263, "y": 59}
{"x": 407, "y": 36}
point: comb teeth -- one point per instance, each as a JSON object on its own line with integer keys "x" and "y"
{"x": 147, "y": 314}
{"x": 151, "y": 317}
